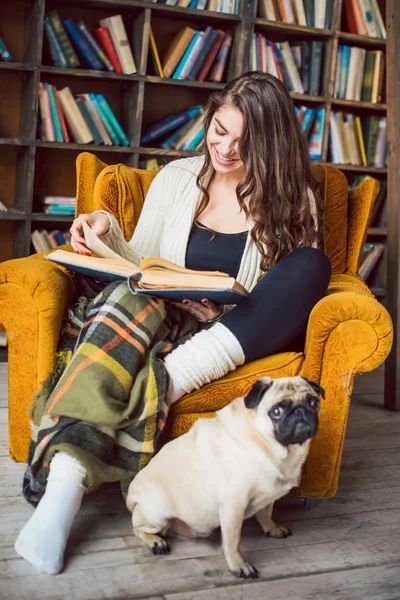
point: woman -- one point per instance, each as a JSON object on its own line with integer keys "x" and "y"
{"x": 249, "y": 207}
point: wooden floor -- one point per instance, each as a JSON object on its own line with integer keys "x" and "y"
{"x": 346, "y": 548}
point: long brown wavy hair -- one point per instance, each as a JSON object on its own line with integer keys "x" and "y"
{"x": 274, "y": 151}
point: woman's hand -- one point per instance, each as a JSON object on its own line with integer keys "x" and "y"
{"x": 98, "y": 221}
{"x": 205, "y": 310}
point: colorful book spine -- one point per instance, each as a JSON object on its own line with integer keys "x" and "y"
{"x": 179, "y": 69}
{"x": 360, "y": 140}
{"x": 315, "y": 68}
{"x": 54, "y": 115}
{"x": 168, "y": 124}
{"x": 169, "y": 143}
{"x": 95, "y": 46}
{"x": 112, "y": 119}
{"x": 63, "y": 39}
{"x": 4, "y": 52}
{"x": 86, "y": 52}
{"x": 205, "y": 69}
{"x": 61, "y": 116}
{"x": 196, "y": 140}
{"x": 193, "y": 56}
{"x": 86, "y": 115}
{"x": 218, "y": 69}
{"x": 315, "y": 144}
{"x": 57, "y": 55}
{"x": 155, "y": 56}
{"x": 50, "y": 135}
{"x": 109, "y": 128}
{"x": 103, "y": 36}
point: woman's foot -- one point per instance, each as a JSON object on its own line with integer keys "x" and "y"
{"x": 43, "y": 538}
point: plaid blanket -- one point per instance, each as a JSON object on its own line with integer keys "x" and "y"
{"x": 106, "y": 401}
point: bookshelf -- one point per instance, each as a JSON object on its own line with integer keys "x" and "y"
{"x": 31, "y": 168}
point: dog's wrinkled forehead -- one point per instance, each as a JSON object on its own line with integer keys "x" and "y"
{"x": 269, "y": 391}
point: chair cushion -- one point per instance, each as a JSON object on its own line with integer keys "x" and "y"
{"x": 335, "y": 197}
{"x": 216, "y": 395}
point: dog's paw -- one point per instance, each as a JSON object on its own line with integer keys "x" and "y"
{"x": 246, "y": 572}
{"x": 278, "y": 532}
{"x": 160, "y": 547}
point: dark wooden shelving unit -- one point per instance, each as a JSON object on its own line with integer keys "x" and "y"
{"x": 32, "y": 168}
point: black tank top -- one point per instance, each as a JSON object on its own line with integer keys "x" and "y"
{"x": 209, "y": 250}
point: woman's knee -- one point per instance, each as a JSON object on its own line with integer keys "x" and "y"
{"x": 310, "y": 266}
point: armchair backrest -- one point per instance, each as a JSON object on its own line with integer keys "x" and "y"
{"x": 121, "y": 190}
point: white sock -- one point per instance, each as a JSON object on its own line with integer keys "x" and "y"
{"x": 208, "y": 355}
{"x": 43, "y": 538}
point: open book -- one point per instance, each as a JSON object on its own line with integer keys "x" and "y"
{"x": 153, "y": 276}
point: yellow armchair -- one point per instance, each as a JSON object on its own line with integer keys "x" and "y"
{"x": 349, "y": 332}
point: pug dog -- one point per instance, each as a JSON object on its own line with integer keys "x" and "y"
{"x": 229, "y": 468}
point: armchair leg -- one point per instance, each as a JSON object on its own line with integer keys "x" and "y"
{"x": 308, "y": 503}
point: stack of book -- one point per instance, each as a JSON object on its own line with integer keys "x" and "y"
{"x": 359, "y": 74}
{"x": 84, "y": 119}
{"x": 47, "y": 240}
{"x": 309, "y": 13}
{"x": 297, "y": 65}
{"x": 194, "y": 55}
{"x": 364, "y": 17}
{"x": 371, "y": 255}
{"x": 223, "y": 6}
{"x": 59, "y": 205}
{"x": 180, "y": 131}
{"x": 71, "y": 44}
{"x": 312, "y": 124}
{"x": 4, "y": 52}
{"x": 357, "y": 141}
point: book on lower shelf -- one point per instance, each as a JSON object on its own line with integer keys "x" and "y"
{"x": 371, "y": 255}
{"x": 5, "y": 54}
{"x": 84, "y": 118}
{"x": 193, "y": 55}
{"x": 358, "y": 141}
{"x": 71, "y": 44}
{"x": 179, "y": 131}
{"x": 59, "y": 205}
{"x": 298, "y": 65}
{"x": 154, "y": 276}
{"x": 43, "y": 240}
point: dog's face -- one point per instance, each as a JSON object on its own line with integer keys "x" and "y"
{"x": 286, "y": 408}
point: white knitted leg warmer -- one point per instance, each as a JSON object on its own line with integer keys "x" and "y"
{"x": 208, "y": 355}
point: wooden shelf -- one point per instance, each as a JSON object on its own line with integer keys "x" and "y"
{"x": 378, "y": 231}
{"x": 361, "y": 40}
{"x": 90, "y": 74}
{"x": 354, "y": 104}
{"x": 357, "y": 169}
{"x": 52, "y": 218}
{"x": 16, "y": 66}
{"x": 379, "y": 292}
{"x": 291, "y": 29}
{"x": 12, "y": 215}
{"x": 205, "y": 85}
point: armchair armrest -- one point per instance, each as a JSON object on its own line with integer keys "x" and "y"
{"x": 349, "y": 332}
{"x": 349, "y": 323}
{"x": 34, "y": 296}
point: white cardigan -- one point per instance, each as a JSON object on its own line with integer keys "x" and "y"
{"x": 167, "y": 218}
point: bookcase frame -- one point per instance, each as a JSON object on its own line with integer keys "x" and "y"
{"x": 27, "y": 148}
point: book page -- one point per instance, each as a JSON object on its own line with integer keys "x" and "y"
{"x": 100, "y": 248}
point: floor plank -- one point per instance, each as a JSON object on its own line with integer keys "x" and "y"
{"x": 345, "y": 548}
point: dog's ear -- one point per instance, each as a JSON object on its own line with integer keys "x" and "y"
{"x": 316, "y": 387}
{"x": 254, "y": 396}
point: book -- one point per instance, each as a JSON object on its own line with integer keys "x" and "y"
{"x": 76, "y": 122}
{"x": 88, "y": 118}
{"x": 4, "y": 52}
{"x": 47, "y": 128}
{"x": 105, "y": 120}
{"x": 209, "y": 60}
{"x": 176, "y": 50}
{"x": 95, "y": 46}
{"x": 117, "y": 30}
{"x": 96, "y": 118}
{"x": 57, "y": 55}
{"x": 87, "y": 54}
{"x": 61, "y": 116}
{"x": 221, "y": 60}
{"x": 315, "y": 67}
{"x": 181, "y": 68}
{"x": 169, "y": 123}
{"x": 154, "y": 54}
{"x": 153, "y": 277}
{"x": 104, "y": 38}
{"x": 112, "y": 119}
{"x": 54, "y": 115}
{"x": 63, "y": 39}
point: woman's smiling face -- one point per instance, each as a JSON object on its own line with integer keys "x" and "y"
{"x": 223, "y": 137}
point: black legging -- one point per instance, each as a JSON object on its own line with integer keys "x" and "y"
{"x": 274, "y": 316}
